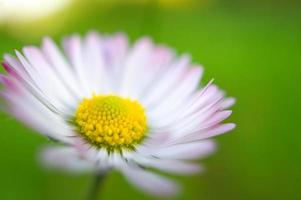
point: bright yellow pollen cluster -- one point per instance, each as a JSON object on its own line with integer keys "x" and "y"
{"x": 111, "y": 122}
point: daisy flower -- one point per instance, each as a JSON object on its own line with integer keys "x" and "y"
{"x": 132, "y": 108}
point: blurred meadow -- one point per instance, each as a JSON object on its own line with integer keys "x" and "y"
{"x": 252, "y": 50}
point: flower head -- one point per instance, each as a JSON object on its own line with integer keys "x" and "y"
{"x": 116, "y": 106}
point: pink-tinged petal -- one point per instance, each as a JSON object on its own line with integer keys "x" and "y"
{"x": 38, "y": 85}
{"x": 166, "y": 81}
{"x": 8, "y": 83}
{"x": 116, "y": 49}
{"x": 177, "y": 167}
{"x": 74, "y": 50}
{"x": 150, "y": 183}
{"x": 217, "y": 118}
{"x": 203, "y": 100}
{"x": 155, "y": 140}
{"x": 228, "y": 102}
{"x": 210, "y": 93}
{"x": 57, "y": 88}
{"x": 133, "y": 72}
{"x": 160, "y": 61}
{"x": 204, "y": 134}
{"x": 65, "y": 158}
{"x": 16, "y": 66}
{"x": 180, "y": 93}
{"x": 180, "y": 150}
{"x": 9, "y": 69}
{"x": 45, "y": 123}
{"x": 22, "y": 75}
{"x": 96, "y": 64}
{"x": 100, "y": 157}
{"x": 198, "y": 115}
{"x": 36, "y": 113}
{"x": 170, "y": 166}
{"x": 61, "y": 66}
{"x": 30, "y": 70}
{"x": 194, "y": 122}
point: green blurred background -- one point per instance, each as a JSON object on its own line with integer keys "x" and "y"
{"x": 251, "y": 48}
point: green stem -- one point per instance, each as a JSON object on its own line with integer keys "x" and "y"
{"x": 96, "y": 186}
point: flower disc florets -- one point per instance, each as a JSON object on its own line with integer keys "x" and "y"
{"x": 111, "y": 122}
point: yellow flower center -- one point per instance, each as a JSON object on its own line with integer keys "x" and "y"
{"x": 111, "y": 122}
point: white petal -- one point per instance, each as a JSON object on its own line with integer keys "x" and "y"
{"x": 166, "y": 81}
{"x": 116, "y": 50}
{"x": 150, "y": 182}
{"x": 177, "y": 167}
{"x": 204, "y": 134}
{"x": 186, "y": 151}
{"x": 34, "y": 113}
{"x": 194, "y": 122}
{"x": 16, "y": 66}
{"x": 95, "y": 61}
{"x": 61, "y": 66}
{"x": 170, "y": 166}
{"x": 228, "y": 102}
{"x": 192, "y": 108}
{"x": 181, "y": 93}
{"x": 159, "y": 63}
{"x": 216, "y": 118}
{"x": 57, "y": 88}
{"x": 138, "y": 57}
{"x": 65, "y": 158}
{"x": 39, "y": 85}
{"x": 74, "y": 51}
{"x": 36, "y": 85}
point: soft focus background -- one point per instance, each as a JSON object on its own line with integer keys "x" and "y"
{"x": 251, "y": 48}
